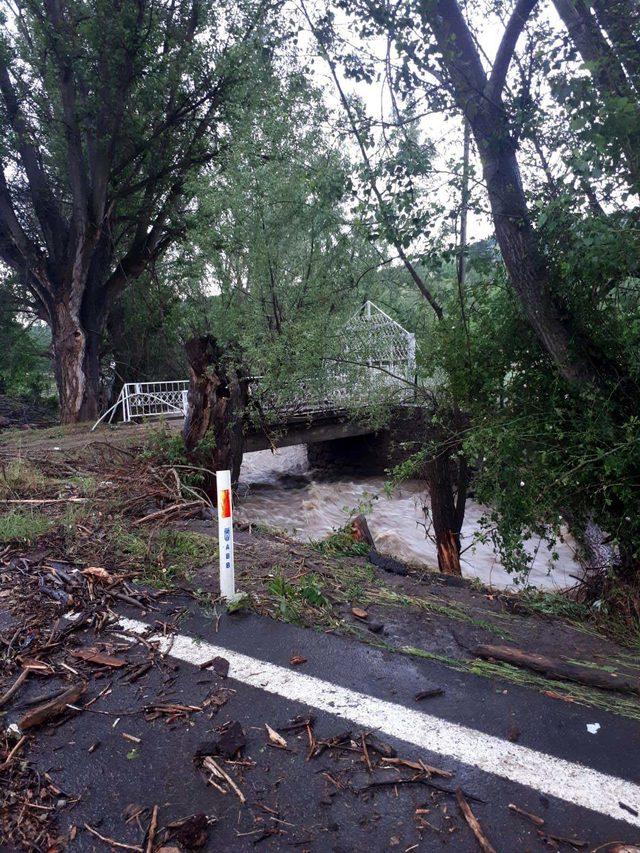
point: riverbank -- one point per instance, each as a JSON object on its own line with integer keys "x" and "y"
{"x": 124, "y": 509}
{"x": 279, "y": 490}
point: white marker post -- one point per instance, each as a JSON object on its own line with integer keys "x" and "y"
{"x": 225, "y": 535}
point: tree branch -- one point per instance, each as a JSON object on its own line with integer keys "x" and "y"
{"x": 393, "y": 236}
{"x": 44, "y": 203}
{"x": 515, "y": 25}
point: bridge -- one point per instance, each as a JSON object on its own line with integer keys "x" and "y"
{"x": 377, "y": 361}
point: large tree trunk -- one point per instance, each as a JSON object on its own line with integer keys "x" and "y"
{"x": 213, "y": 430}
{"x": 443, "y": 516}
{"x": 521, "y": 253}
{"x": 480, "y": 100}
{"x": 76, "y": 353}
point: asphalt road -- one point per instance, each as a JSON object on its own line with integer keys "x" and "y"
{"x": 328, "y": 802}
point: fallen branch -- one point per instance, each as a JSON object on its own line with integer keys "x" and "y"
{"x": 42, "y": 500}
{"x": 385, "y": 783}
{"x": 53, "y": 708}
{"x": 420, "y": 766}
{"x": 111, "y": 841}
{"x": 16, "y": 749}
{"x": 162, "y": 513}
{"x": 151, "y": 833}
{"x": 555, "y": 668}
{"x": 474, "y": 825}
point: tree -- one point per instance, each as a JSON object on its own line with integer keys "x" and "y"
{"x": 273, "y": 239}
{"x": 441, "y": 58}
{"x": 109, "y": 110}
{"x": 575, "y": 319}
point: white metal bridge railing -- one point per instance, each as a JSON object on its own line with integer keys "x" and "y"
{"x": 379, "y": 355}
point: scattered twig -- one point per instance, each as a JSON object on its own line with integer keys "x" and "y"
{"x": 420, "y": 765}
{"x": 154, "y": 516}
{"x": 111, "y": 841}
{"x": 151, "y": 832}
{"x": 16, "y": 749}
{"x": 213, "y": 767}
{"x": 474, "y": 825}
{"x": 14, "y": 687}
{"x": 532, "y": 817}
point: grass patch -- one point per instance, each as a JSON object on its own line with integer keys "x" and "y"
{"x": 382, "y": 595}
{"x": 301, "y": 601}
{"x": 603, "y": 623}
{"x": 23, "y": 526}
{"x": 84, "y": 486}
{"x": 20, "y": 479}
{"x": 341, "y": 544}
{"x": 163, "y": 555}
{"x": 555, "y": 604}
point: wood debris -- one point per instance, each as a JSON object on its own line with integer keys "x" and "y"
{"x": 52, "y": 709}
{"x": 97, "y": 657}
{"x": 474, "y": 825}
{"x": 216, "y": 770}
{"x": 151, "y": 832}
{"x": 111, "y": 841}
{"x": 275, "y": 738}
{"x": 428, "y": 694}
{"x": 534, "y": 818}
{"x": 561, "y": 669}
{"x": 170, "y": 710}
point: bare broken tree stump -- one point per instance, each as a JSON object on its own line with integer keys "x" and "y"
{"x": 360, "y": 531}
{"x": 213, "y": 430}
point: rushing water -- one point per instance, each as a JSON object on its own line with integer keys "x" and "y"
{"x": 279, "y": 490}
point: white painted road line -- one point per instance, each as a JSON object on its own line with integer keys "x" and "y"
{"x": 555, "y": 777}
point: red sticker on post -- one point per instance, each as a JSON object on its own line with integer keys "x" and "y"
{"x": 225, "y": 504}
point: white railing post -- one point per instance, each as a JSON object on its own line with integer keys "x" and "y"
{"x": 126, "y": 412}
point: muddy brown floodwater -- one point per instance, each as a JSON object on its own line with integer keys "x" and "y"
{"x": 280, "y": 490}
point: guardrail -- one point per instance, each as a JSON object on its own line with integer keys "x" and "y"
{"x": 379, "y": 356}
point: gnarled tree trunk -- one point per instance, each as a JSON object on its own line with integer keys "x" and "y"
{"x": 213, "y": 430}
{"x": 76, "y": 352}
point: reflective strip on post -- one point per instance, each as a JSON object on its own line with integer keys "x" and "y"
{"x": 225, "y": 534}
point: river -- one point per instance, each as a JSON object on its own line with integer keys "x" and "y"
{"x": 280, "y": 490}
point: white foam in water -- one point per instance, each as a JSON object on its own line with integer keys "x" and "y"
{"x": 281, "y": 493}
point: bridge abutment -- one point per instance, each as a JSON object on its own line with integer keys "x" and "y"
{"x": 372, "y": 453}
